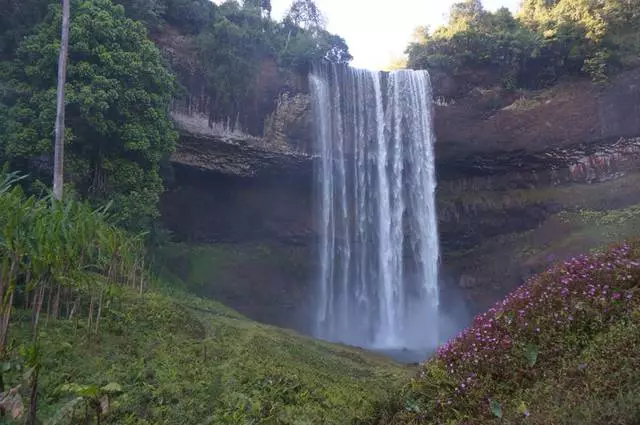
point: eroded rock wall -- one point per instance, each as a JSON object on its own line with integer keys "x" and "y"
{"x": 509, "y": 165}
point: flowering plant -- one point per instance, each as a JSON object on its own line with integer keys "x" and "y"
{"x": 551, "y": 317}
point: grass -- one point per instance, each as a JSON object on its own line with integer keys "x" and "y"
{"x": 561, "y": 349}
{"x": 268, "y": 282}
{"x": 186, "y": 360}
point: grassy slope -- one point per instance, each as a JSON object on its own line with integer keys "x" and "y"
{"x": 563, "y": 349}
{"x": 185, "y": 360}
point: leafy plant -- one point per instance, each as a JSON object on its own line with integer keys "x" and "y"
{"x": 545, "y": 41}
{"x": 54, "y": 253}
{"x": 118, "y": 93}
{"x": 92, "y": 398}
{"x": 527, "y": 338}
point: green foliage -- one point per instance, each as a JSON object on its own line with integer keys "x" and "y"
{"x": 562, "y": 348}
{"x": 238, "y": 40}
{"x": 611, "y": 224}
{"x": 54, "y": 251}
{"x": 189, "y": 361}
{"x": 88, "y": 398}
{"x": 495, "y": 408}
{"x": 546, "y": 41}
{"x": 599, "y": 386}
{"x": 16, "y": 20}
{"x": 189, "y": 16}
{"x": 117, "y": 98}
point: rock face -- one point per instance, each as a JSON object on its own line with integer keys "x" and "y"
{"x": 508, "y": 164}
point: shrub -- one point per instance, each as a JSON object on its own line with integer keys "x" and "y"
{"x": 523, "y": 339}
{"x": 53, "y": 253}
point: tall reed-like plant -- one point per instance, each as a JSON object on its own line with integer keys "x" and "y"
{"x": 56, "y": 253}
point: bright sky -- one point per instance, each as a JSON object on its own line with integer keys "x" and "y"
{"x": 378, "y": 31}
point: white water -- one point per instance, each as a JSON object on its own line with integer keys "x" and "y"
{"x": 378, "y": 251}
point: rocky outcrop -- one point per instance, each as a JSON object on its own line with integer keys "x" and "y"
{"x": 226, "y": 151}
{"x": 573, "y": 112}
{"x": 507, "y": 164}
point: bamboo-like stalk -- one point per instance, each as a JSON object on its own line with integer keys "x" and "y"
{"x": 99, "y": 311}
{"x": 7, "y": 304}
{"x": 90, "y": 318}
{"x": 38, "y": 308}
{"x": 56, "y": 302}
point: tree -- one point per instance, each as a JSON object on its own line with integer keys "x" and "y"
{"x": 17, "y": 18}
{"x": 306, "y": 14}
{"x": 58, "y": 156}
{"x": 150, "y": 12}
{"x": 265, "y": 5}
{"x": 465, "y": 13}
{"x": 118, "y": 94}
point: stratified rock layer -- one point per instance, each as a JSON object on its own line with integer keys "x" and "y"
{"x": 507, "y": 163}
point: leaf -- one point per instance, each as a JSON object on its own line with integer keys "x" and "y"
{"x": 531, "y": 353}
{"x": 112, "y": 388}
{"x": 29, "y": 372}
{"x": 87, "y": 391}
{"x": 496, "y": 408}
{"x": 411, "y": 406}
{"x": 6, "y": 366}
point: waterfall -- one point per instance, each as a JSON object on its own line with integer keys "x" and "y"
{"x": 378, "y": 250}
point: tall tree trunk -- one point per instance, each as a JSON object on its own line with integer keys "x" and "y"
{"x": 58, "y": 157}
{"x": 99, "y": 311}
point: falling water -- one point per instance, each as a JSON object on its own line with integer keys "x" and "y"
{"x": 378, "y": 251}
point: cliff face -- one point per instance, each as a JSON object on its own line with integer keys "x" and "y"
{"x": 509, "y": 166}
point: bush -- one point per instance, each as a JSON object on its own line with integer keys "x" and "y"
{"x": 54, "y": 252}
{"x": 544, "y": 42}
{"x": 117, "y": 100}
{"x": 523, "y": 340}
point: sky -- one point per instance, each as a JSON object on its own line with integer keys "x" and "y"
{"x": 378, "y": 31}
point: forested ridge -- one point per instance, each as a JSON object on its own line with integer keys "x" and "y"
{"x": 543, "y": 42}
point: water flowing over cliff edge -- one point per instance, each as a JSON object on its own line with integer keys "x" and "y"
{"x": 510, "y": 166}
{"x": 377, "y": 284}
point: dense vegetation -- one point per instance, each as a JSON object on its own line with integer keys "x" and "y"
{"x": 233, "y": 47}
{"x": 183, "y": 360}
{"x": 545, "y": 41}
{"x": 54, "y": 253}
{"x": 80, "y": 315}
{"x": 119, "y": 85}
{"x": 59, "y": 259}
{"x": 542, "y": 355}
{"x": 117, "y": 97}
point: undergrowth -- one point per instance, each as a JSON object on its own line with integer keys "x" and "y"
{"x": 180, "y": 359}
{"x": 545, "y": 354}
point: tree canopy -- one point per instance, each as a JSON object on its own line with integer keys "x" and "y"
{"x": 544, "y": 41}
{"x": 118, "y": 92}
